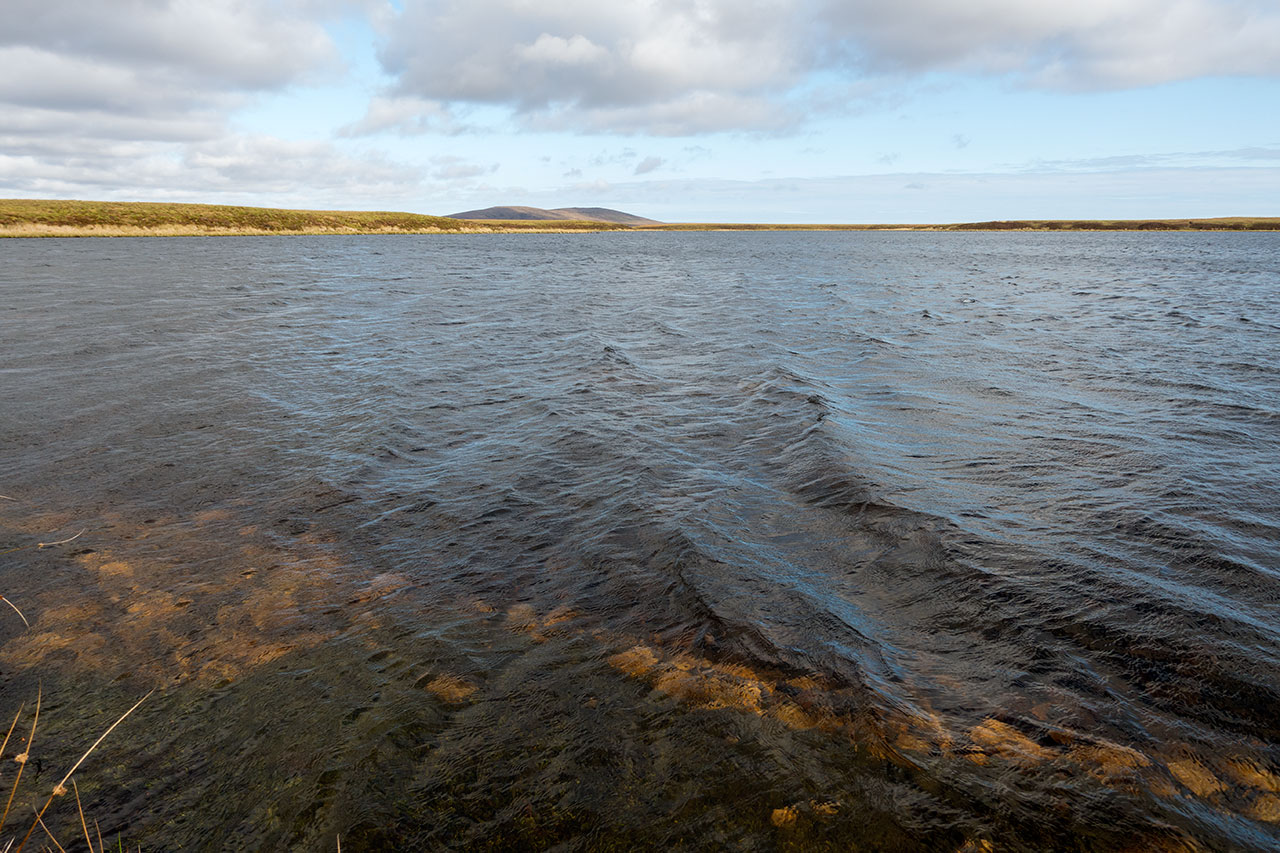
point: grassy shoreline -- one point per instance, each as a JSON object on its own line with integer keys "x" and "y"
{"x": 63, "y": 218}
{"x": 59, "y": 218}
{"x": 1233, "y": 223}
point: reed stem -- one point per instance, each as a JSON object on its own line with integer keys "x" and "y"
{"x": 22, "y": 760}
{"x": 60, "y": 788}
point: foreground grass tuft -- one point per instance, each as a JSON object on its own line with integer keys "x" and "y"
{"x": 23, "y": 758}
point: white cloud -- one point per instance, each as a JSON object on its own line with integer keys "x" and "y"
{"x": 1085, "y": 44}
{"x": 684, "y": 115}
{"x": 286, "y": 167}
{"x": 662, "y": 66}
{"x": 231, "y": 167}
{"x": 89, "y": 127}
{"x": 684, "y": 67}
{"x": 205, "y": 44}
{"x": 406, "y": 116}
{"x": 132, "y": 98}
{"x": 554, "y": 50}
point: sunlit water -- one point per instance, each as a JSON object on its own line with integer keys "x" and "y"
{"x": 896, "y": 541}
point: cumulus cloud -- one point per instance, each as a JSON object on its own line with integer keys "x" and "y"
{"x": 664, "y": 66}
{"x": 683, "y": 67}
{"x": 1086, "y": 44}
{"x": 132, "y": 99}
{"x": 688, "y": 114}
{"x": 202, "y": 46}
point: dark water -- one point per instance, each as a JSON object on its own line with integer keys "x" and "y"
{"x": 662, "y": 541}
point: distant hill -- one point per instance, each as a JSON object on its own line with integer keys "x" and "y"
{"x": 588, "y": 214}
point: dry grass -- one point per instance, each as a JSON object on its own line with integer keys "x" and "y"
{"x": 60, "y": 218}
{"x": 1234, "y": 223}
{"x": 25, "y": 757}
{"x": 60, "y": 789}
{"x": 42, "y": 230}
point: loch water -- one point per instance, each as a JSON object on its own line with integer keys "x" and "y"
{"x": 753, "y": 541}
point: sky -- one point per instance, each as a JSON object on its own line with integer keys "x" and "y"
{"x": 680, "y": 110}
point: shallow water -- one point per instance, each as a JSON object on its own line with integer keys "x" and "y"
{"x": 905, "y": 541}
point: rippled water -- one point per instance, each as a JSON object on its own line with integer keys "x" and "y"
{"x": 904, "y": 541}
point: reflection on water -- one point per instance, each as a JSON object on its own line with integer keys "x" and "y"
{"x": 901, "y": 541}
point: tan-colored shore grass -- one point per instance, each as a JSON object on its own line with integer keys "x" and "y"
{"x": 59, "y": 218}
{"x": 65, "y": 218}
{"x": 40, "y": 230}
{"x": 1232, "y": 223}
{"x": 1225, "y": 223}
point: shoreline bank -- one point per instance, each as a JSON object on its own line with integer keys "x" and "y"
{"x": 65, "y": 218}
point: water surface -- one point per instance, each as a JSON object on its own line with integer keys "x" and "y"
{"x": 904, "y": 541}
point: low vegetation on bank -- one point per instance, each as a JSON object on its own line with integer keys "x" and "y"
{"x": 59, "y": 218}
{"x": 1235, "y": 223}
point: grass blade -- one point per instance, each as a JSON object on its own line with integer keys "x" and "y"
{"x": 16, "y": 610}
{"x": 62, "y": 541}
{"x": 60, "y": 788}
{"x": 83, "y": 823}
{"x": 48, "y": 833}
{"x": 12, "y": 726}
{"x": 22, "y": 760}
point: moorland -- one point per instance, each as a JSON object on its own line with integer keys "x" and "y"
{"x": 71, "y": 218}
